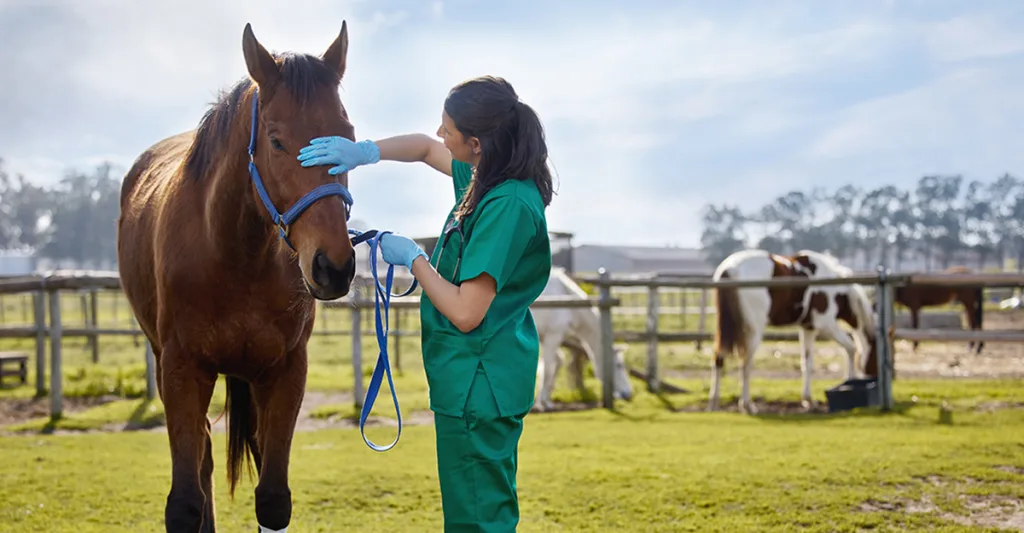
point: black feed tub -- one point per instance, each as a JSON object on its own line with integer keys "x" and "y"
{"x": 853, "y": 393}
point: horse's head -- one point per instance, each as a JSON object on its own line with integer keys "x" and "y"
{"x": 866, "y": 323}
{"x": 870, "y": 352}
{"x": 297, "y": 101}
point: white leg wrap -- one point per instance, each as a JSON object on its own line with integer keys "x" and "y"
{"x": 267, "y": 530}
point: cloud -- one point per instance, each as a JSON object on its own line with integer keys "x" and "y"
{"x": 941, "y": 121}
{"x": 974, "y": 36}
{"x": 656, "y": 108}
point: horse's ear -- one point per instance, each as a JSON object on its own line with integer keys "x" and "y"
{"x": 262, "y": 67}
{"x": 335, "y": 55}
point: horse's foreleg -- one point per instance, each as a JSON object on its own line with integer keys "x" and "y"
{"x": 973, "y": 306}
{"x": 186, "y": 392}
{"x": 278, "y": 399}
{"x": 807, "y": 365}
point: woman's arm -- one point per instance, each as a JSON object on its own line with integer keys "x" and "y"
{"x": 416, "y": 147}
{"x": 464, "y": 305}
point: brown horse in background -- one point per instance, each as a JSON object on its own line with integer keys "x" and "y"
{"x": 223, "y": 284}
{"x": 916, "y": 296}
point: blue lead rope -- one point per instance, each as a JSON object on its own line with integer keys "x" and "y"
{"x": 382, "y": 300}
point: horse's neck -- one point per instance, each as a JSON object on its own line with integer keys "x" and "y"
{"x": 233, "y": 217}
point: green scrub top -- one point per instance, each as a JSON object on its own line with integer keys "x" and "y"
{"x": 506, "y": 236}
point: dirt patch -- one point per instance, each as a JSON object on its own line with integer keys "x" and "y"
{"x": 990, "y": 511}
{"x": 563, "y": 407}
{"x": 1011, "y": 470}
{"x": 924, "y": 505}
{"x": 993, "y": 511}
{"x": 762, "y": 406}
{"x": 14, "y": 411}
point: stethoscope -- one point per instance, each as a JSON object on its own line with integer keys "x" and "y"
{"x": 453, "y": 226}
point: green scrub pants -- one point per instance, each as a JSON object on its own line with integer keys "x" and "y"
{"x": 477, "y": 461}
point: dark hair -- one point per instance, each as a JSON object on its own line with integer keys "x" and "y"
{"x": 512, "y": 144}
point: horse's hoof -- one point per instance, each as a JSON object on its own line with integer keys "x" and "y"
{"x": 809, "y": 405}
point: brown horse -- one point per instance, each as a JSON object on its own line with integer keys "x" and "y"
{"x": 916, "y": 296}
{"x": 222, "y": 283}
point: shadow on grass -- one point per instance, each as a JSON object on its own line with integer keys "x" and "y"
{"x": 141, "y": 419}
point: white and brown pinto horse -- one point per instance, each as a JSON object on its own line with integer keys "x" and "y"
{"x": 745, "y": 312}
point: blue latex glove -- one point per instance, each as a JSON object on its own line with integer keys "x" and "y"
{"x": 400, "y": 250}
{"x": 339, "y": 151}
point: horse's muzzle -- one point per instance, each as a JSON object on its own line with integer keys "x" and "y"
{"x": 329, "y": 281}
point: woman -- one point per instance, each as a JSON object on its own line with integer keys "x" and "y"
{"x": 493, "y": 259}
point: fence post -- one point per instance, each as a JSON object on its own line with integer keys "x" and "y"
{"x": 39, "y": 303}
{"x": 94, "y": 324}
{"x": 885, "y": 305}
{"x": 607, "y": 363}
{"x": 703, "y": 315}
{"x": 56, "y": 370}
{"x": 357, "y": 352}
{"x": 398, "y": 340}
{"x": 652, "y": 338}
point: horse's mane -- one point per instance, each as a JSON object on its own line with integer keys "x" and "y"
{"x": 301, "y": 75}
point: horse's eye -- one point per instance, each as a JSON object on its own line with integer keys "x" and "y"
{"x": 276, "y": 144}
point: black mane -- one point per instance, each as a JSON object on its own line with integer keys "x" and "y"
{"x": 301, "y": 75}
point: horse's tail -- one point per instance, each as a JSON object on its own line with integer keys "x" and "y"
{"x": 729, "y": 330}
{"x": 239, "y": 406}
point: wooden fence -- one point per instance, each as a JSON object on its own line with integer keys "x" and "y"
{"x": 883, "y": 281}
{"x": 47, "y": 290}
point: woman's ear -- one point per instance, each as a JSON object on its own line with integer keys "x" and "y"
{"x": 474, "y": 144}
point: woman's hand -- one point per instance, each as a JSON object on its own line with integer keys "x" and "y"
{"x": 399, "y": 250}
{"x": 339, "y": 151}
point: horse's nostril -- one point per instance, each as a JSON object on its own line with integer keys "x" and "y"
{"x": 321, "y": 268}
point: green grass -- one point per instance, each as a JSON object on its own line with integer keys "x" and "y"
{"x": 580, "y": 471}
{"x": 656, "y": 460}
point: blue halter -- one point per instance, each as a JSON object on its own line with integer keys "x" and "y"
{"x": 382, "y": 297}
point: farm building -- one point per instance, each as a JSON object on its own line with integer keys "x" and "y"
{"x": 588, "y": 258}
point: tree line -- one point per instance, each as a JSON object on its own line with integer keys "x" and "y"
{"x": 938, "y": 219}
{"x": 74, "y": 219}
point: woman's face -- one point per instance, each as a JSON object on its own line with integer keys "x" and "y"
{"x": 462, "y": 149}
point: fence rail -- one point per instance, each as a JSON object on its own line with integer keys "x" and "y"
{"x": 46, "y": 291}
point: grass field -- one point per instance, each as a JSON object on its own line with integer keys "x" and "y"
{"x": 643, "y": 468}
{"x": 655, "y": 464}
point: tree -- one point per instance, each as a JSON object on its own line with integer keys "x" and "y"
{"x": 933, "y": 219}
{"x": 724, "y": 232}
{"x": 24, "y": 212}
{"x": 84, "y": 217}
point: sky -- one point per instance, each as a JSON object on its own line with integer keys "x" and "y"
{"x": 652, "y": 109}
